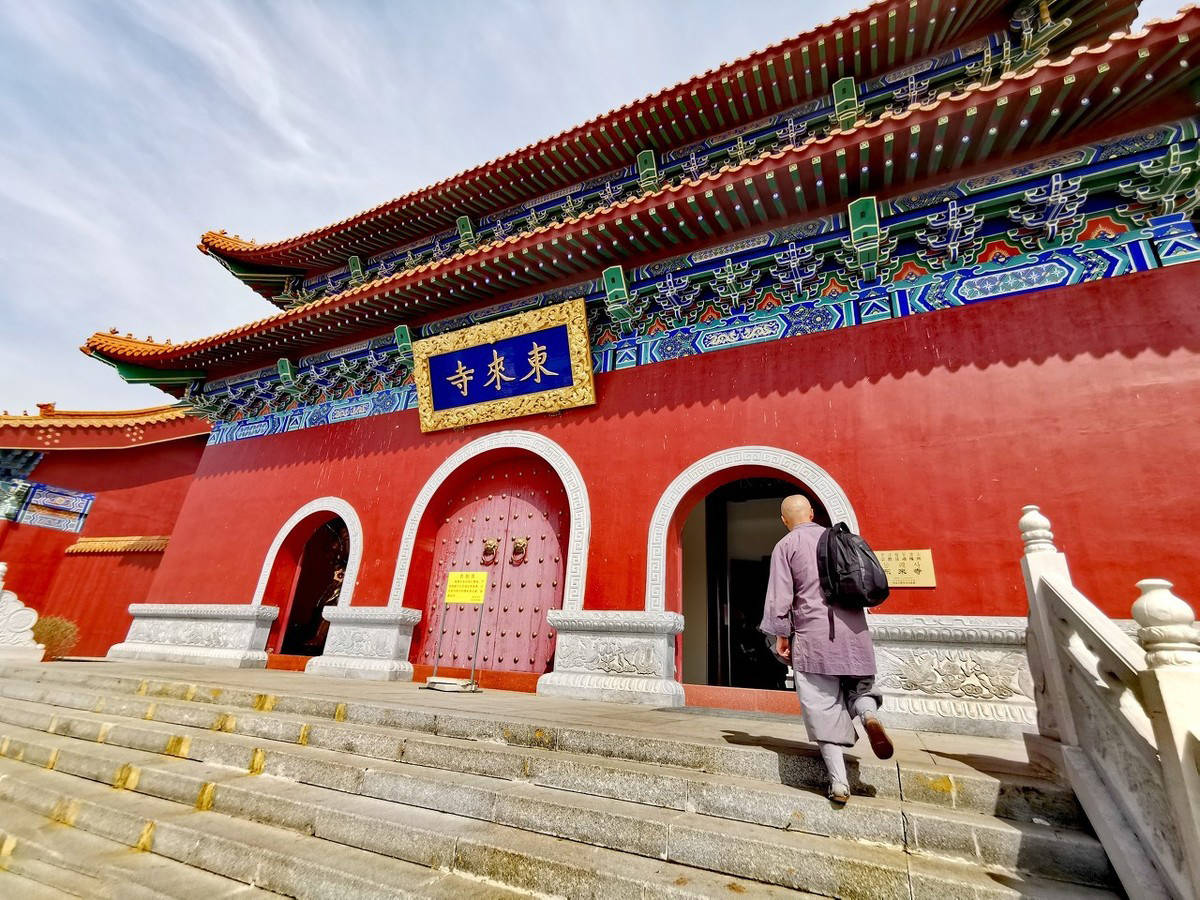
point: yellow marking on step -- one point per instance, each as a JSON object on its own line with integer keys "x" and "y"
{"x": 102, "y": 734}
{"x": 65, "y": 811}
{"x": 190, "y": 693}
{"x": 122, "y": 776}
{"x": 179, "y": 745}
{"x": 257, "y": 760}
{"x": 19, "y": 754}
{"x": 150, "y": 711}
{"x": 53, "y": 760}
{"x": 52, "y": 726}
{"x": 265, "y": 702}
{"x": 940, "y": 783}
{"x": 339, "y": 714}
{"x": 146, "y": 839}
{"x": 204, "y": 800}
{"x": 303, "y": 738}
{"x": 143, "y": 688}
{"x": 9, "y": 845}
{"x": 216, "y": 692}
{"x": 132, "y": 779}
{"x": 4, "y": 746}
{"x": 99, "y": 707}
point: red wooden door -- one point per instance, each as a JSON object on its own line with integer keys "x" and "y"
{"x": 511, "y": 521}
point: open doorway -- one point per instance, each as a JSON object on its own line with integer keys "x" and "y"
{"x": 307, "y": 576}
{"x": 727, "y": 542}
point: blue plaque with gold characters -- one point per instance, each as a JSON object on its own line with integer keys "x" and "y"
{"x": 534, "y": 362}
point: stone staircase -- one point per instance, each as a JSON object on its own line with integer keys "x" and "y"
{"x": 158, "y": 781}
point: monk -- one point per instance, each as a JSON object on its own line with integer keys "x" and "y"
{"x": 830, "y": 648}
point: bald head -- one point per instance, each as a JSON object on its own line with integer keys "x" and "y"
{"x": 796, "y": 510}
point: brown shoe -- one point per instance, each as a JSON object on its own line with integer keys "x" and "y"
{"x": 881, "y": 744}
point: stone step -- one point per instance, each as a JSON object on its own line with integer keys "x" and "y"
{"x": 914, "y": 826}
{"x": 620, "y": 825}
{"x": 271, "y": 817}
{"x": 85, "y": 865}
{"x": 387, "y": 731}
{"x": 20, "y": 888}
{"x": 52, "y": 875}
{"x": 931, "y": 878}
{"x": 285, "y": 862}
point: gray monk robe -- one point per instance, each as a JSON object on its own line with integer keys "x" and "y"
{"x": 832, "y": 653}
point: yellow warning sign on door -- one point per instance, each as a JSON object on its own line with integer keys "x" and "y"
{"x": 466, "y": 587}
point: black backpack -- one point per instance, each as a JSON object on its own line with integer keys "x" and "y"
{"x": 851, "y": 576}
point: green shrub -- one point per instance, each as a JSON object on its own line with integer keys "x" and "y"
{"x": 57, "y": 634}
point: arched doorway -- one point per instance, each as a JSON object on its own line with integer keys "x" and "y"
{"x": 318, "y": 584}
{"x": 308, "y": 572}
{"x": 504, "y": 513}
{"x": 726, "y": 543}
{"x": 664, "y": 540}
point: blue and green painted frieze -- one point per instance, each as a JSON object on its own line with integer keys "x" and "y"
{"x": 1090, "y": 213}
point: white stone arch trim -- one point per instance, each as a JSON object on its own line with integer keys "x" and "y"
{"x": 337, "y": 506}
{"x": 577, "y": 501}
{"x": 828, "y": 491}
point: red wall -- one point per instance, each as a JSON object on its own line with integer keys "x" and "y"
{"x": 938, "y": 427}
{"x": 138, "y": 491}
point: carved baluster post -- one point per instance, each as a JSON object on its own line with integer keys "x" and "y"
{"x": 16, "y": 627}
{"x": 1171, "y": 687}
{"x": 1041, "y": 644}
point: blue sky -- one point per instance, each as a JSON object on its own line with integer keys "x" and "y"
{"x": 129, "y": 127}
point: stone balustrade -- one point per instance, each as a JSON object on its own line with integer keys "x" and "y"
{"x": 16, "y": 627}
{"x": 1126, "y": 715}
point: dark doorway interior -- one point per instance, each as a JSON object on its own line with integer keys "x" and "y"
{"x": 322, "y": 569}
{"x": 741, "y": 527}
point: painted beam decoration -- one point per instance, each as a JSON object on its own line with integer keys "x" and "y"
{"x": 30, "y": 503}
{"x": 534, "y": 362}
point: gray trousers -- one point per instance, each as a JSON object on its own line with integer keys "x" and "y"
{"x": 830, "y": 703}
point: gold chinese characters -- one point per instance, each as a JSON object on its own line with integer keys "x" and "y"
{"x": 461, "y": 376}
{"x": 518, "y": 380}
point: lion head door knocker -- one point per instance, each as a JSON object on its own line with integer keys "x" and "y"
{"x": 491, "y": 551}
{"x": 520, "y": 547}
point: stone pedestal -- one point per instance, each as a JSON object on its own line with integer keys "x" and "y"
{"x": 217, "y": 634}
{"x": 626, "y": 656}
{"x": 16, "y": 628}
{"x": 367, "y": 642}
{"x": 957, "y": 674}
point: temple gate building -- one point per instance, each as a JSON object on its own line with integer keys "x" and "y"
{"x": 922, "y": 264}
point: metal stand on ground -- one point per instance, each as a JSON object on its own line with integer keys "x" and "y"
{"x": 457, "y": 685}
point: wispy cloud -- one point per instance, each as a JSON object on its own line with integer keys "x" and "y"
{"x": 129, "y": 127}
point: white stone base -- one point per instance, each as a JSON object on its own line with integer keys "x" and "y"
{"x": 955, "y": 674}
{"x": 218, "y": 634}
{"x": 22, "y": 654}
{"x": 625, "y": 656}
{"x": 367, "y": 642}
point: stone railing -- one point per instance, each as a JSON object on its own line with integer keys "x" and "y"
{"x": 1127, "y": 715}
{"x": 16, "y": 627}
